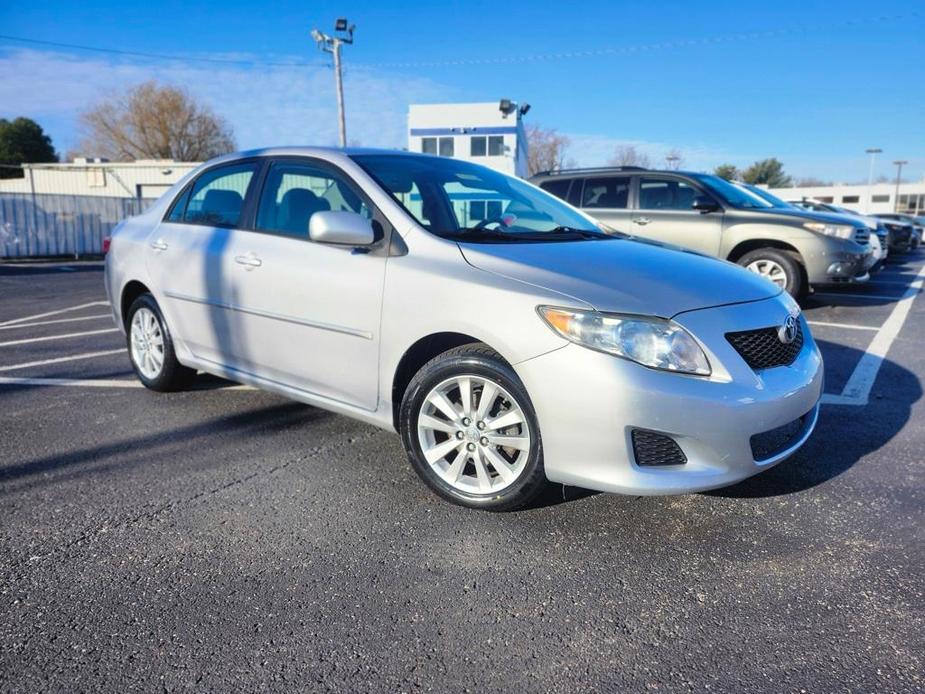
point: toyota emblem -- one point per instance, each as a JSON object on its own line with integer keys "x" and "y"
{"x": 787, "y": 333}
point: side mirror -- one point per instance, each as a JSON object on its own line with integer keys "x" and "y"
{"x": 704, "y": 204}
{"x": 342, "y": 228}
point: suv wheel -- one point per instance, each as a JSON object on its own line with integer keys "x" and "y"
{"x": 470, "y": 431}
{"x": 778, "y": 266}
{"x": 150, "y": 348}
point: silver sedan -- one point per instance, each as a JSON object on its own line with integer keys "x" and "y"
{"x": 503, "y": 335}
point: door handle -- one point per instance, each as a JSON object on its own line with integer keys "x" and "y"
{"x": 159, "y": 245}
{"x": 641, "y": 220}
{"x": 249, "y": 261}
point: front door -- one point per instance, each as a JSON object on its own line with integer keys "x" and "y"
{"x": 606, "y": 198}
{"x": 664, "y": 212}
{"x": 307, "y": 314}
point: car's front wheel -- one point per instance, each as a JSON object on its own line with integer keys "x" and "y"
{"x": 778, "y": 266}
{"x": 150, "y": 348}
{"x": 470, "y": 431}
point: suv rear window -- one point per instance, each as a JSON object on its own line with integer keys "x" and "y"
{"x": 609, "y": 193}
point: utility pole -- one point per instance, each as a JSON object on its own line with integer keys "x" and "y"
{"x": 873, "y": 152}
{"x": 899, "y": 172}
{"x": 672, "y": 160}
{"x": 331, "y": 44}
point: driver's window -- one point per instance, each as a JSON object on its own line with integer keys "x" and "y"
{"x": 664, "y": 194}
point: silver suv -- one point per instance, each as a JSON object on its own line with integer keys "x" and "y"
{"x": 793, "y": 248}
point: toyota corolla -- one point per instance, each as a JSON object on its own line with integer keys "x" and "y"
{"x": 507, "y": 338}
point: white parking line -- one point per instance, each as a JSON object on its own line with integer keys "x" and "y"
{"x": 54, "y": 313}
{"x": 81, "y": 382}
{"x": 843, "y": 325}
{"x": 58, "y": 360}
{"x": 54, "y": 322}
{"x": 857, "y": 389}
{"x": 30, "y": 340}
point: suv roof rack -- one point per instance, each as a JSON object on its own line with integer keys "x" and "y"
{"x": 593, "y": 169}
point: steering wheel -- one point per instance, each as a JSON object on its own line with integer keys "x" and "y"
{"x": 502, "y": 220}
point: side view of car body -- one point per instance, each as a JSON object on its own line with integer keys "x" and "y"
{"x": 793, "y": 248}
{"x": 509, "y": 344}
{"x": 917, "y": 224}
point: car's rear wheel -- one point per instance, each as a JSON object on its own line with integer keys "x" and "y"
{"x": 470, "y": 431}
{"x": 778, "y": 266}
{"x": 150, "y": 348}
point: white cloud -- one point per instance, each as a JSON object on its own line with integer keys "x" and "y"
{"x": 280, "y": 105}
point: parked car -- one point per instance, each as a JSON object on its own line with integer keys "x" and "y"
{"x": 894, "y": 236}
{"x": 917, "y": 223}
{"x": 793, "y": 248}
{"x": 509, "y": 344}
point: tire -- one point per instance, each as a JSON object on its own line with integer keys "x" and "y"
{"x": 767, "y": 261}
{"x": 476, "y": 472}
{"x": 159, "y": 370}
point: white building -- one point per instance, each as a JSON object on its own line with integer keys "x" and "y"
{"x": 880, "y": 197}
{"x": 481, "y": 133}
{"x": 143, "y": 179}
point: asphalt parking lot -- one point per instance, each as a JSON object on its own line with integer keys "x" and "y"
{"x": 228, "y": 539}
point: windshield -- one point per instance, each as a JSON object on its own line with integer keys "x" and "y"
{"x": 467, "y": 202}
{"x": 765, "y": 195}
{"x": 732, "y": 194}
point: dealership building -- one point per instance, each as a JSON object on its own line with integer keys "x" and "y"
{"x": 877, "y": 198}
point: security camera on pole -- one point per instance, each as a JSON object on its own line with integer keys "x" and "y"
{"x": 332, "y": 44}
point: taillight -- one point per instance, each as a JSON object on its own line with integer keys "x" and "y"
{"x": 106, "y": 242}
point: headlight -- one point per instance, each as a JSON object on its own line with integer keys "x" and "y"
{"x": 651, "y": 342}
{"x": 842, "y": 231}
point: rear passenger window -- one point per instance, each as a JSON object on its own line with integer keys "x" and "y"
{"x": 558, "y": 188}
{"x": 610, "y": 193}
{"x": 294, "y": 192}
{"x": 665, "y": 194}
{"x": 217, "y": 197}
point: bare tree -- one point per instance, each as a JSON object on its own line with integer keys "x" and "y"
{"x": 151, "y": 121}
{"x": 546, "y": 150}
{"x": 628, "y": 155}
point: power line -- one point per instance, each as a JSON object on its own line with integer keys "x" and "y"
{"x": 499, "y": 60}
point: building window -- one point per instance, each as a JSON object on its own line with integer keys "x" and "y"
{"x": 851, "y": 198}
{"x": 496, "y": 146}
{"x": 881, "y": 198}
{"x": 446, "y": 147}
{"x": 478, "y": 146}
{"x": 484, "y": 209}
{"x": 827, "y": 198}
{"x": 429, "y": 145}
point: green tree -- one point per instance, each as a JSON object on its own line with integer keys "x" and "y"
{"x": 767, "y": 172}
{"x": 23, "y": 141}
{"x": 727, "y": 171}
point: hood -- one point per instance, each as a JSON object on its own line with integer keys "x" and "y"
{"x": 799, "y": 216}
{"x": 623, "y": 275}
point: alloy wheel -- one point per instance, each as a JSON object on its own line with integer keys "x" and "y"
{"x": 474, "y": 434}
{"x": 147, "y": 341}
{"x": 769, "y": 269}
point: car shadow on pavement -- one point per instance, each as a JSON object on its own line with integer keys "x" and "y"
{"x": 843, "y": 435}
{"x": 142, "y": 449}
{"x": 58, "y": 269}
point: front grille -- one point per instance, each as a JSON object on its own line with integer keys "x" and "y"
{"x": 767, "y": 444}
{"x": 763, "y": 348}
{"x": 652, "y": 449}
{"x": 862, "y": 237}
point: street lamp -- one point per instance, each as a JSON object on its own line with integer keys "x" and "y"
{"x": 899, "y": 172}
{"x": 672, "y": 160}
{"x": 873, "y": 152}
{"x": 332, "y": 44}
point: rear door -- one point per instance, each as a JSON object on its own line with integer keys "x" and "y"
{"x": 186, "y": 258}
{"x": 607, "y": 198}
{"x": 664, "y": 212}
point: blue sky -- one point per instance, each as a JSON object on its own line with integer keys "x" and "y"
{"x": 813, "y": 83}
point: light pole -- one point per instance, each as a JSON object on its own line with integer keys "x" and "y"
{"x": 332, "y": 44}
{"x": 899, "y": 172}
{"x": 873, "y": 152}
{"x": 672, "y": 160}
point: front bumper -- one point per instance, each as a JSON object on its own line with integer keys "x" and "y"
{"x": 589, "y": 403}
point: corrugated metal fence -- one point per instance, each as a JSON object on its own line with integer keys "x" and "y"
{"x": 50, "y": 225}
